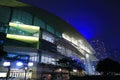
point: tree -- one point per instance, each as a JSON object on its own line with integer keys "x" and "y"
{"x": 107, "y": 65}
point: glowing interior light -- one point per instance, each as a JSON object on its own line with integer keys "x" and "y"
{"x": 25, "y": 27}
{"x": 19, "y": 63}
{"x": 30, "y": 64}
{"x": 60, "y": 70}
{"x": 3, "y": 74}
{"x": 74, "y": 70}
{"x": 80, "y": 44}
{"x": 28, "y": 39}
{"x": 6, "y": 64}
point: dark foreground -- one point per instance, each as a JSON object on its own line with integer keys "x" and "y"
{"x": 95, "y": 78}
{"x": 76, "y": 78}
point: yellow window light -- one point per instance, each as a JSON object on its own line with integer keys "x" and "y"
{"x": 27, "y": 39}
{"x": 25, "y": 27}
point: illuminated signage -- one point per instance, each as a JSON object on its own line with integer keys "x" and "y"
{"x": 28, "y": 39}
{"x": 28, "y": 28}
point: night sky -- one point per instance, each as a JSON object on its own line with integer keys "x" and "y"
{"x": 94, "y": 19}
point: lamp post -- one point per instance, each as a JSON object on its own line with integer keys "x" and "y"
{"x": 7, "y": 64}
{"x": 26, "y": 68}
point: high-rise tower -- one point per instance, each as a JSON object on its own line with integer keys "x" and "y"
{"x": 99, "y": 48}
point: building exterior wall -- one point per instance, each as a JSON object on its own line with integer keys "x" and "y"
{"x": 27, "y": 34}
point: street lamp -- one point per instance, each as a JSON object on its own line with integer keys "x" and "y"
{"x": 19, "y": 63}
{"x": 30, "y": 64}
{"x": 7, "y": 64}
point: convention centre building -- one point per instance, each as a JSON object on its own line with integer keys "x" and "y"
{"x": 35, "y": 36}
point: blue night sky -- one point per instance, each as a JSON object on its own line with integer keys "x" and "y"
{"x": 94, "y": 19}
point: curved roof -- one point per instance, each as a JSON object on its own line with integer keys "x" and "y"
{"x": 54, "y": 21}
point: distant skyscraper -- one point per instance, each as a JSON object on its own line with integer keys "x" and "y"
{"x": 99, "y": 48}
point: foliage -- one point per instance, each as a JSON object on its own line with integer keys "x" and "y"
{"x": 108, "y": 65}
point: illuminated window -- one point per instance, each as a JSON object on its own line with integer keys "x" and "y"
{"x": 3, "y": 74}
{"x": 48, "y": 37}
{"x": 34, "y": 58}
{"x": 61, "y": 49}
{"x": 53, "y": 61}
{"x": 69, "y": 52}
{"x": 47, "y": 60}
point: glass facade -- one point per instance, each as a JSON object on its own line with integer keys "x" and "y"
{"x": 61, "y": 49}
{"x": 3, "y": 28}
{"x": 18, "y": 32}
{"x": 50, "y": 29}
{"x": 58, "y": 34}
{"x": 22, "y": 35}
{"x": 39, "y": 22}
{"x": 5, "y": 14}
{"x": 14, "y": 22}
{"x": 48, "y": 60}
{"x": 34, "y": 58}
{"x": 21, "y": 17}
{"x": 23, "y": 30}
{"x": 67, "y": 52}
{"x": 48, "y": 37}
{"x": 27, "y": 31}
